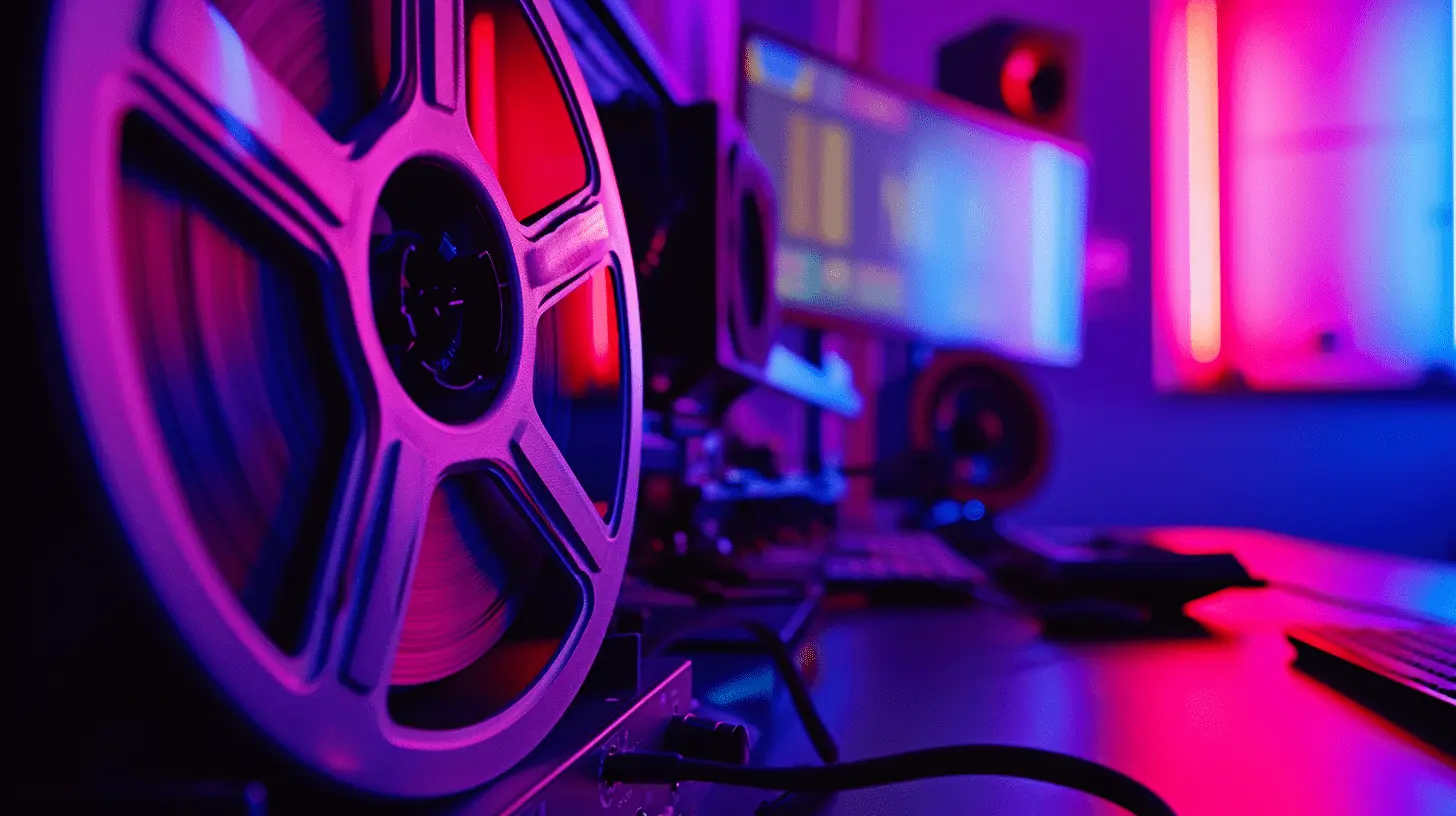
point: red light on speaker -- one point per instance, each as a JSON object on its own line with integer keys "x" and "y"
{"x": 1033, "y": 83}
{"x": 1017, "y": 74}
{"x": 1023, "y": 70}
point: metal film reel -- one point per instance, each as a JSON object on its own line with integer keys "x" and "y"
{"x": 345, "y": 301}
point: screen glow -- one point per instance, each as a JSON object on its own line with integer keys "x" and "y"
{"x": 927, "y": 219}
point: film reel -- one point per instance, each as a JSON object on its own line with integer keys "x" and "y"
{"x": 347, "y": 314}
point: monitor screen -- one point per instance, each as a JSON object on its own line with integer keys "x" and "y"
{"x": 917, "y": 213}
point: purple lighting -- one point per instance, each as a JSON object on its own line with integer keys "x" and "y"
{"x": 1307, "y": 242}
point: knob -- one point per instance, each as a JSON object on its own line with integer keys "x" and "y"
{"x": 701, "y": 738}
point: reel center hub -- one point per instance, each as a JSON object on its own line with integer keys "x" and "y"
{"x": 444, "y": 302}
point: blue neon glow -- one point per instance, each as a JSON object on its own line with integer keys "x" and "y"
{"x": 1044, "y": 245}
{"x": 1400, "y": 181}
{"x": 1422, "y": 592}
{"x": 946, "y": 512}
{"x": 782, "y": 67}
{"x": 948, "y": 240}
{"x": 830, "y": 386}
{"x": 754, "y": 685}
{"x": 974, "y": 510}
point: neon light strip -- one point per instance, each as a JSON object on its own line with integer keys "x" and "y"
{"x": 1204, "y": 261}
{"x": 1453, "y": 169}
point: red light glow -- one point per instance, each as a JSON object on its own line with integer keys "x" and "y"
{"x": 1016, "y": 75}
{"x": 480, "y": 98}
{"x": 589, "y": 334}
{"x": 520, "y": 119}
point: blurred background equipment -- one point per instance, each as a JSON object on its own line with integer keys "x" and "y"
{"x": 913, "y": 213}
{"x": 1016, "y": 68}
{"x": 912, "y": 221}
{"x": 717, "y": 330}
{"x": 704, "y": 223}
{"x": 963, "y": 437}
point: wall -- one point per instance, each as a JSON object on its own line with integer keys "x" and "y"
{"x": 697, "y": 42}
{"x": 1374, "y": 471}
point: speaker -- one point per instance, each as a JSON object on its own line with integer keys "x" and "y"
{"x": 1014, "y": 68}
{"x": 701, "y": 208}
{"x": 967, "y": 427}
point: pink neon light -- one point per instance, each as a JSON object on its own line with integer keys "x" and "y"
{"x": 1204, "y": 259}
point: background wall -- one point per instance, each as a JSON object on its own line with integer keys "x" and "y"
{"x": 1374, "y": 471}
{"x": 697, "y": 42}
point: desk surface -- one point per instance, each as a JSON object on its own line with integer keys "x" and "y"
{"x": 1218, "y": 725}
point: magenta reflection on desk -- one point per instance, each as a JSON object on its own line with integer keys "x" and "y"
{"x": 1217, "y": 726}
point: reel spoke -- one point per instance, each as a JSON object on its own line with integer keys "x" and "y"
{"x": 561, "y": 257}
{"x": 398, "y": 505}
{"x": 442, "y": 54}
{"x": 555, "y": 488}
{"x": 205, "y": 74}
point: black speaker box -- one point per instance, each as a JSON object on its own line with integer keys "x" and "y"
{"x": 962, "y": 426}
{"x": 1017, "y": 69}
{"x": 703, "y": 218}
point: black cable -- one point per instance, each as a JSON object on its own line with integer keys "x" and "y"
{"x": 824, "y": 745}
{"x": 809, "y": 717}
{"x": 1354, "y": 605}
{"x": 952, "y": 760}
{"x": 812, "y": 721}
{"x": 807, "y": 794}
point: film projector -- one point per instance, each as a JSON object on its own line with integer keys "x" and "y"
{"x": 336, "y": 375}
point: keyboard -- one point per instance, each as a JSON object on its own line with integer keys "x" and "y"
{"x": 910, "y": 564}
{"x": 1407, "y": 675}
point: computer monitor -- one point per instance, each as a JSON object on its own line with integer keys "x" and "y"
{"x": 915, "y": 213}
